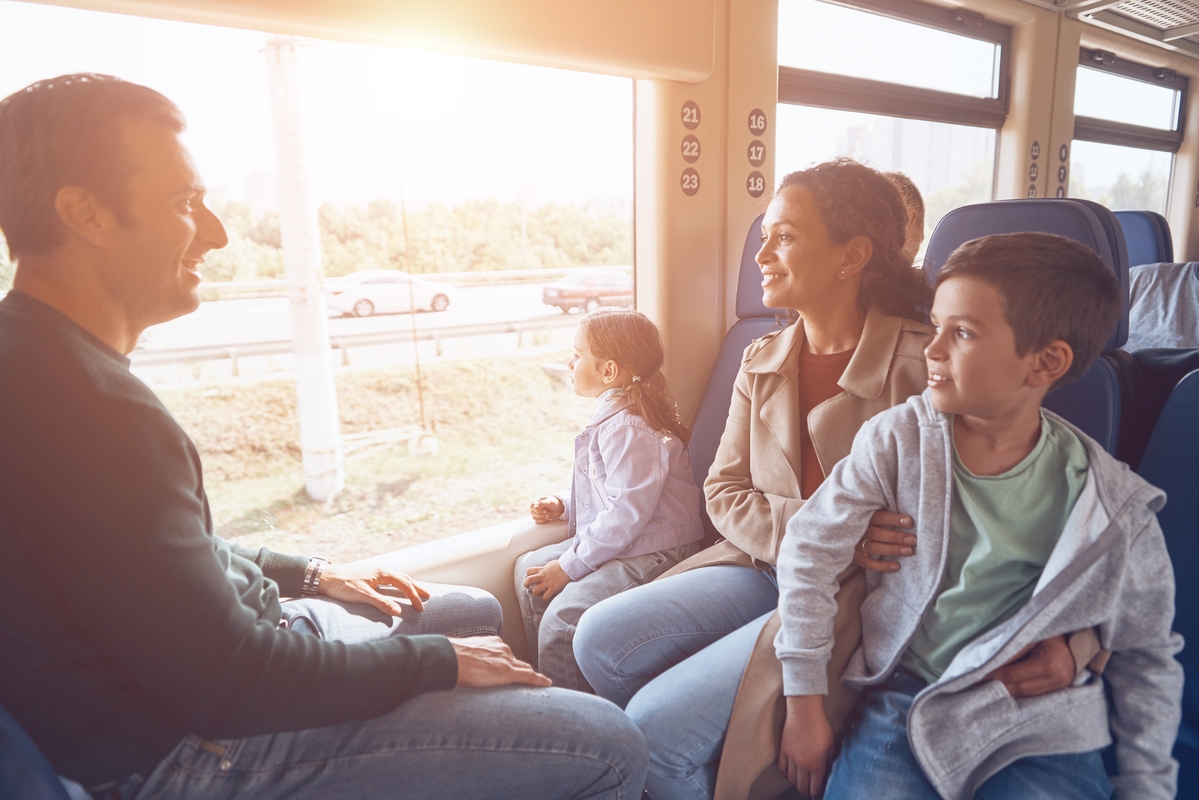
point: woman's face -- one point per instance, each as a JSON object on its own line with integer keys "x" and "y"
{"x": 800, "y": 264}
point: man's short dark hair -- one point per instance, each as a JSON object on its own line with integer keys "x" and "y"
{"x": 910, "y": 194}
{"x": 67, "y": 131}
{"x": 1052, "y": 287}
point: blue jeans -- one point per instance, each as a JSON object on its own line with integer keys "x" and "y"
{"x": 507, "y": 742}
{"x": 550, "y": 627}
{"x": 877, "y": 761}
{"x": 450, "y": 610}
{"x": 673, "y": 652}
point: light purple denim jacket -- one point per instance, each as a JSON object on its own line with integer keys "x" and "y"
{"x": 632, "y": 492}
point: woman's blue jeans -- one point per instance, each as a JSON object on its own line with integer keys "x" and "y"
{"x": 672, "y": 653}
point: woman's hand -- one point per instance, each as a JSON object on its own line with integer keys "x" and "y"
{"x": 545, "y": 509}
{"x": 360, "y": 584}
{"x": 806, "y": 748}
{"x": 881, "y": 539}
{"x": 1038, "y": 669}
{"x": 546, "y": 581}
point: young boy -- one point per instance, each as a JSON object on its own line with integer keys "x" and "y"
{"x": 1027, "y": 529}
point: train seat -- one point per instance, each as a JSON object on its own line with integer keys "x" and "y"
{"x": 1171, "y": 462}
{"x": 1164, "y": 306}
{"x": 1094, "y": 402}
{"x": 1147, "y": 236}
{"x": 754, "y": 320}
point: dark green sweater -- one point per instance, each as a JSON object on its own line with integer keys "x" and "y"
{"x": 125, "y": 624}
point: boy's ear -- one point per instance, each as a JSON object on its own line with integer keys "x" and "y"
{"x": 1050, "y": 363}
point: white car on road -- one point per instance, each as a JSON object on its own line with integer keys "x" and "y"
{"x": 382, "y": 291}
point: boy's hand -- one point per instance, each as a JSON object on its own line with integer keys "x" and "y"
{"x": 546, "y": 581}
{"x": 881, "y": 540}
{"x": 806, "y": 749}
{"x": 545, "y": 509}
{"x": 1038, "y": 669}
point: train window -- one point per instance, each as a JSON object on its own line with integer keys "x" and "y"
{"x": 1114, "y": 97}
{"x": 885, "y": 49}
{"x": 877, "y": 91}
{"x": 1121, "y": 177}
{"x": 952, "y": 165}
{"x": 497, "y": 204}
{"x": 1128, "y": 123}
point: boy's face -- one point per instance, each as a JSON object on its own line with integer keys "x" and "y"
{"x": 973, "y": 368}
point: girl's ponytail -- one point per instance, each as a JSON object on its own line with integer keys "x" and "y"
{"x": 630, "y": 339}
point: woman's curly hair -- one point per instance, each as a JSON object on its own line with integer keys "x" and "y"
{"x": 855, "y": 200}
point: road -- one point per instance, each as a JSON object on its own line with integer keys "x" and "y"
{"x": 233, "y": 322}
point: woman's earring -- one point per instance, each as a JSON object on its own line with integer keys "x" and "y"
{"x": 841, "y": 273}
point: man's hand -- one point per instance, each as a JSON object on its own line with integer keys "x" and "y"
{"x": 546, "y": 581}
{"x": 545, "y": 509}
{"x": 487, "y": 661}
{"x": 1038, "y": 669}
{"x": 881, "y": 540}
{"x": 806, "y": 749}
{"x": 360, "y": 584}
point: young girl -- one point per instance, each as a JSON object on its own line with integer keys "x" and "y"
{"x": 633, "y": 507}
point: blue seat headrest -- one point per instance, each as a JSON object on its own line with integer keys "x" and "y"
{"x": 749, "y": 278}
{"x": 1081, "y": 220}
{"x": 1147, "y": 235}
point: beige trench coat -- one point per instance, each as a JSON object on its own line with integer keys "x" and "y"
{"x": 753, "y": 489}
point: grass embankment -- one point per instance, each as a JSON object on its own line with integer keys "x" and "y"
{"x": 505, "y": 429}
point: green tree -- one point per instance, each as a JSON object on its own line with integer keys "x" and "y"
{"x": 472, "y": 236}
{"x": 253, "y": 252}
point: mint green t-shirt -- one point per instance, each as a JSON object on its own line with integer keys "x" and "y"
{"x": 1002, "y": 530}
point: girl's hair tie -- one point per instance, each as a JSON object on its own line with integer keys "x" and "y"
{"x": 636, "y": 378}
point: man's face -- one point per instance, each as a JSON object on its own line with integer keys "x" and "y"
{"x": 973, "y": 368}
{"x": 152, "y": 263}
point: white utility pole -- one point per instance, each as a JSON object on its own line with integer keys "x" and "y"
{"x": 320, "y": 434}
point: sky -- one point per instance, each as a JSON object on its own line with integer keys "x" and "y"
{"x": 449, "y": 128}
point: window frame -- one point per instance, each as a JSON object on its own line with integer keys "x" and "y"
{"x": 1123, "y": 134}
{"x": 805, "y": 87}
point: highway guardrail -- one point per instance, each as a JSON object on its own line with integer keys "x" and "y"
{"x": 341, "y": 343}
{"x": 275, "y": 287}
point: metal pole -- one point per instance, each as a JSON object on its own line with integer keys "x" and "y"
{"x": 420, "y": 388}
{"x": 320, "y": 435}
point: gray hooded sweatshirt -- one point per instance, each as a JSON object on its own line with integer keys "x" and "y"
{"x": 1109, "y": 569}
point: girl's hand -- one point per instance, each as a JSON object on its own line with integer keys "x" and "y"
{"x": 545, "y": 509}
{"x": 806, "y": 749}
{"x": 881, "y": 540}
{"x": 546, "y": 581}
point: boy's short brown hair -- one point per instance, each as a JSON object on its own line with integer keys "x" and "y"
{"x": 1053, "y": 288}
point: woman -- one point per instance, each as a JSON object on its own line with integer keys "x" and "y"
{"x": 673, "y": 652}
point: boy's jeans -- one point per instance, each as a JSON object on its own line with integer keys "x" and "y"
{"x": 877, "y": 761}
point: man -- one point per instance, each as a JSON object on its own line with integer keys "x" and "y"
{"x": 144, "y": 654}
